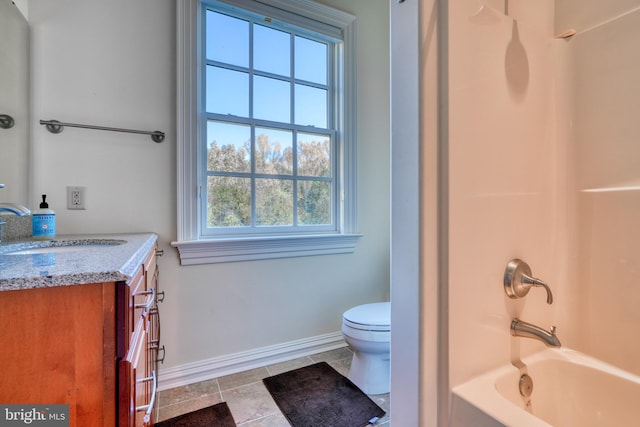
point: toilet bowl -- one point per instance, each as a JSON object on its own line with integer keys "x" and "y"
{"x": 366, "y": 329}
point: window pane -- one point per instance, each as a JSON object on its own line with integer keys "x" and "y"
{"x": 228, "y": 147}
{"x": 268, "y": 104}
{"x": 311, "y": 106}
{"x": 274, "y": 202}
{"x": 311, "y": 60}
{"x": 314, "y": 155}
{"x": 271, "y": 99}
{"x": 227, "y": 92}
{"x": 314, "y": 202}
{"x": 274, "y": 151}
{"x": 228, "y": 201}
{"x": 227, "y": 39}
{"x": 271, "y": 50}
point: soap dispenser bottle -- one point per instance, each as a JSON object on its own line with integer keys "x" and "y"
{"x": 44, "y": 221}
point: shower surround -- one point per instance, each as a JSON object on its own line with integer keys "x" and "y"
{"x": 544, "y": 165}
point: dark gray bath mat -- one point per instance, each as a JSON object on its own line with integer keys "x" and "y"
{"x": 317, "y": 395}
{"x": 217, "y": 415}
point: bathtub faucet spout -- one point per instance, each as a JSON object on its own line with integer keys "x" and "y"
{"x": 520, "y": 328}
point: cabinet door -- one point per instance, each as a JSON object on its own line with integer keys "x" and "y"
{"x": 57, "y": 346}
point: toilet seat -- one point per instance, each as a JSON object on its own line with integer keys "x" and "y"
{"x": 375, "y": 317}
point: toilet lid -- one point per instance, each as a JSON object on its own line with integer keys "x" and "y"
{"x": 369, "y": 315}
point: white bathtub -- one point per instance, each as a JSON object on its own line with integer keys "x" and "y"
{"x": 570, "y": 389}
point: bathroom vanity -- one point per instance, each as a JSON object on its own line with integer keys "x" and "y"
{"x": 80, "y": 326}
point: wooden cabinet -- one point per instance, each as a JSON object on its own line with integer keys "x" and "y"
{"x": 91, "y": 346}
{"x": 137, "y": 366}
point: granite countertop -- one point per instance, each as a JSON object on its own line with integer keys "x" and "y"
{"x": 105, "y": 258}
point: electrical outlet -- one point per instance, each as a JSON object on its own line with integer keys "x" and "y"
{"x": 77, "y": 198}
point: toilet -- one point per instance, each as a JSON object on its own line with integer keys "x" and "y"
{"x": 366, "y": 329}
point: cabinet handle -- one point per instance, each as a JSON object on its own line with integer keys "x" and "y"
{"x": 154, "y": 343}
{"x": 149, "y": 303}
{"x": 160, "y": 296}
{"x": 158, "y": 350}
{"x": 149, "y": 407}
{"x": 159, "y": 252}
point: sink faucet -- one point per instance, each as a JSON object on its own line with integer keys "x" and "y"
{"x": 14, "y": 208}
{"x": 520, "y": 328}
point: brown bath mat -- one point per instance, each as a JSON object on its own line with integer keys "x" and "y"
{"x": 317, "y": 395}
{"x": 217, "y": 415}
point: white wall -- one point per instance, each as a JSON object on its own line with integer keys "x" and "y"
{"x": 113, "y": 64}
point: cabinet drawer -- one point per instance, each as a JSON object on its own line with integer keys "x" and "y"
{"x": 137, "y": 364}
{"x": 133, "y": 300}
{"x": 137, "y": 298}
{"x": 150, "y": 263}
{"x": 143, "y": 302}
{"x": 142, "y": 289}
{"x": 137, "y": 381}
{"x": 144, "y": 298}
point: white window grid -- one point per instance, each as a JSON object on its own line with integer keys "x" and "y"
{"x": 253, "y": 123}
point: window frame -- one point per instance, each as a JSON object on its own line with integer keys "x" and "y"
{"x": 193, "y": 247}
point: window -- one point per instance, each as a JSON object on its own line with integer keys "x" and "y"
{"x": 270, "y": 139}
{"x": 266, "y": 130}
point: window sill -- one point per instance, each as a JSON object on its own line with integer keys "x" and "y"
{"x": 253, "y": 248}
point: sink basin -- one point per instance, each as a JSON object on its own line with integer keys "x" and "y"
{"x": 57, "y": 246}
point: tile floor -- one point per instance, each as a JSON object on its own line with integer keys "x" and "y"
{"x": 250, "y": 403}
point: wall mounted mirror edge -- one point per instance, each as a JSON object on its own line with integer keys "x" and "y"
{"x": 14, "y": 102}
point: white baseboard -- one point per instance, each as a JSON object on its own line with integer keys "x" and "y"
{"x": 232, "y": 363}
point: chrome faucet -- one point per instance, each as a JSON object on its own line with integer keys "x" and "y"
{"x": 14, "y": 208}
{"x": 520, "y": 328}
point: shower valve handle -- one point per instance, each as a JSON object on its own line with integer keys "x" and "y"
{"x": 518, "y": 280}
